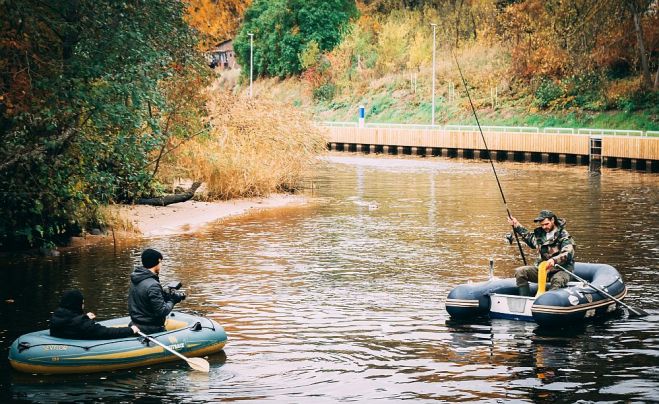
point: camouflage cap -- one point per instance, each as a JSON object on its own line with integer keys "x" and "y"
{"x": 544, "y": 214}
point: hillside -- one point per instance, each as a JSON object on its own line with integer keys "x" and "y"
{"x": 566, "y": 72}
{"x": 393, "y": 99}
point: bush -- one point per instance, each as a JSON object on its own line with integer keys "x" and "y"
{"x": 547, "y": 92}
{"x": 310, "y": 55}
{"x": 324, "y": 92}
{"x": 255, "y": 147}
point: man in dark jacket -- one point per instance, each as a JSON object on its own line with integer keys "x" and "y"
{"x": 148, "y": 304}
{"x": 68, "y": 321}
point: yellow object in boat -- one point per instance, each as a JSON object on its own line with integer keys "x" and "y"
{"x": 542, "y": 278}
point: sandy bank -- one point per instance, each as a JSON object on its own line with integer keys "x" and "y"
{"x": 187, "y": 217}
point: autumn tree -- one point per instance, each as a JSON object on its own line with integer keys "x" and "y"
{"x": 90, "y": 94}
{"x": 217, "y": 20}
{"x": 283, "y": 29}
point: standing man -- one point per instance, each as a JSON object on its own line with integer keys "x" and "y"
{"x": 148, "y": 304}
{"x": 554, "y": 245}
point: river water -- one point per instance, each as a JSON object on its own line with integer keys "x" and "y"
{"x": 342, "y": 300}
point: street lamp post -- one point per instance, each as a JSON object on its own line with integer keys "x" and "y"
{"x": 433, "y": 75}
{"x": 251, "y": 61}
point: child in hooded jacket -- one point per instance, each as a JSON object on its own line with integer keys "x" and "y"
{"x": 69, "y": 321}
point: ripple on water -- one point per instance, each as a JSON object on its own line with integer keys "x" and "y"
{"x": 343, "y": 300}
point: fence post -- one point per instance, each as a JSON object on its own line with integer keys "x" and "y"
{"x": 362, "y": 114}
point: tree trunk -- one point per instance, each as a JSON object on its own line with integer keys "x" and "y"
{"x": 645, "y": 68}
{"x": 171, "y": 198}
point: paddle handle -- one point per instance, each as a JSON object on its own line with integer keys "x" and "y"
{"x": 602, "y": 291}
{"x": 141, "y": 334}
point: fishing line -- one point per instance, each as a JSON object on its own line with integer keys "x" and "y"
{"x": 489, "y": 155}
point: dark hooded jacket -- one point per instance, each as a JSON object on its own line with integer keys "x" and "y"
{"x": 148, "y": 304}
{"x": 68, "y": 321}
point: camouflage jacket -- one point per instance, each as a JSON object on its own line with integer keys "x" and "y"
{"x": 560, "y": 247}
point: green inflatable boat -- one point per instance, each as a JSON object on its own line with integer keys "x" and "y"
{"x": 192, "y": 336}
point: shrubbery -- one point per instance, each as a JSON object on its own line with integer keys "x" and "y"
{"x": 254, "y": 147}
{"x": 88, "y": 104}
{"x": 284, "y": 29}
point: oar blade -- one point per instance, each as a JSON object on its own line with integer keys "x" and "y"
{"x": 636, "y": 312}
{"x": 199, "y": 364}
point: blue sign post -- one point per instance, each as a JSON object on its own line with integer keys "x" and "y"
{"x": 362, "y": 114}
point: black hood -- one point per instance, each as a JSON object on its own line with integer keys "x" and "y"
{"x": 140, "y": 274}
{"x": 64, "y": 318}
{"x": 72, "y": 300}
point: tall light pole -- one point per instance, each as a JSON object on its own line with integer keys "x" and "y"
{"x": 433, "y": 75}
{"x": 251, "y": 61}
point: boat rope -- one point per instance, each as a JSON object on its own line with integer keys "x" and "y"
{"x": 22, "y": 346}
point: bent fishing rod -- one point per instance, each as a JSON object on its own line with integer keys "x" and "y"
{"x": 489, "y": 156}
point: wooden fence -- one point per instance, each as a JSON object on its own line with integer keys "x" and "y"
{"x": 624, "y": 147}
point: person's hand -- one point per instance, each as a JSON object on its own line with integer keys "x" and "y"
{"x": 513, "y": 222}
{"x": 550, "y": 265}
{"x": 135, "y": 329}
{"x": 91, "y": 315}
{"x": 178, "y": 297}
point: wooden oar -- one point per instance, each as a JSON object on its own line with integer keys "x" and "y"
{"x": 199, "y": 364}
{"x": 632, "y": 311}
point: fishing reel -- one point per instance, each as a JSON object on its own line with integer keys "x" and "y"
{"x": 172, "y": 291}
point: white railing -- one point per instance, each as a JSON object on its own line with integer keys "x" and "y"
{"x": 474, "y": 128}
{"x": 511, "y": 129}
{"x": 558, "y": 130}
{"x": 623, "y": 132}
{"x": 401, "y": 125}
{"x": 337, "y": 123}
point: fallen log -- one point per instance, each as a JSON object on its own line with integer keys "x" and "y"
{"x": 171, "y": 198}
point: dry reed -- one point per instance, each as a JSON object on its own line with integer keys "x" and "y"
{"x": 255, "y": 146}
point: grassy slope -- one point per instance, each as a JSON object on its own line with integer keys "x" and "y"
{"x": 393, "y": 98}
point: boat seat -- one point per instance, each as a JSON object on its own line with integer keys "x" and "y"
{"x": 172, "y": 324}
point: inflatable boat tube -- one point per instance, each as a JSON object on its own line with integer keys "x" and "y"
{"x": 38, "y": 352}
{"x": 574, "y": 304}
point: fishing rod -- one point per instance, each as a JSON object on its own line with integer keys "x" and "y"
{"x": 489, "y": 156}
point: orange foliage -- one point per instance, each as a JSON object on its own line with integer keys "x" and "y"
{"x": 217, "y": 20}
{"x": 555, "y": 38}
{"x": 523, "y": 24}
{"x": 621, "y": 89}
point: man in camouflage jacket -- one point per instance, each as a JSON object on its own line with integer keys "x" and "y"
{"x": 554, "y": 245}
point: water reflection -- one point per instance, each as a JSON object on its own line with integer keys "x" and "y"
{"x": 342, "y": 300}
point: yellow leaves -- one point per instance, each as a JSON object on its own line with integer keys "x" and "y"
{"x": 420, "y": 50}
{"x": 547, "y": 61}
{"x": 217, "y": 20}
{"x": 392, "y": 45}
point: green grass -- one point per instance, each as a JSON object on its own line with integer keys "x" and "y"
{"x": 385, "y": 109}
{"x": 390, "y": 100}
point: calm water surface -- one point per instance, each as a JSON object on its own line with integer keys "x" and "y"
{"x": 343, "y": 300}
